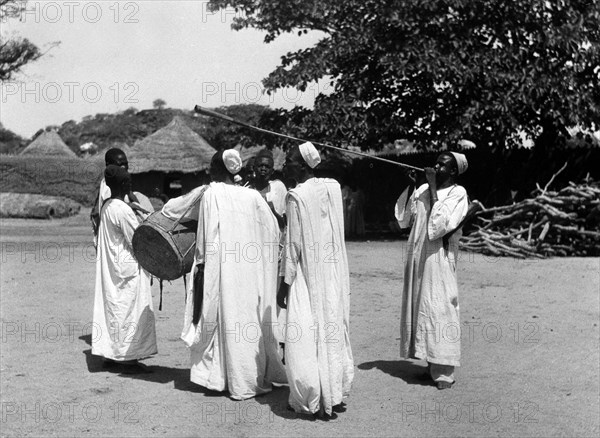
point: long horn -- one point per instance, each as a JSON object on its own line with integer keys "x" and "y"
{"x": 210, "y": 113}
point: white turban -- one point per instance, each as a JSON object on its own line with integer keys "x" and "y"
{"x": 232, "y": 161}
{"x": 310, "y": 154}
{"x": 461, "y": 162}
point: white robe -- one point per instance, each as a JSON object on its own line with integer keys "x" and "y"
{"x": 430, "y": 318}
{"x": 276, "y": 194}
{"x": 124, "y": 324}
{"x": 186, "y": 206}
{"x": 233, "y": 346}
{"x": 318, "y": 355}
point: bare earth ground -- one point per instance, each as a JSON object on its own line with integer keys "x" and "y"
{"x": 530, "y": 343}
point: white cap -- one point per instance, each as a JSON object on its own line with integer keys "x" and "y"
{"x": 232, "y": 161}
{"x": 310, "y": 154}
{"x": 461, "y": 162}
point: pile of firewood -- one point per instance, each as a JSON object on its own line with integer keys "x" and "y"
{"x": 565, "y": 222}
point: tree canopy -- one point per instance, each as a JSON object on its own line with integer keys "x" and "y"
{"x": 435, "y": 71}
{"x": 159, "y": 104}
{"x": 15, "y": 51}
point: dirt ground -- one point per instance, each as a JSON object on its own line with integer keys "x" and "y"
{"x": 530, "y": 344}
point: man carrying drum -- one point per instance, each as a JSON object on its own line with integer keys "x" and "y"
{"x": 123, "y": 311}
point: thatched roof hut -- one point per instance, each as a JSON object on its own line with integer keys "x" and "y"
{"x": 171, "y": 161}
{"x": 174, "y": 148}
{"x": 48, "y": 143}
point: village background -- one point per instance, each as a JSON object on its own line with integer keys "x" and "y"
{"x": 529, "y": 278}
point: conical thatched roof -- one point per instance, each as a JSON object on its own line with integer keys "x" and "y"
{"x": 48, "y": 143}
{"x": 174, "y": 148}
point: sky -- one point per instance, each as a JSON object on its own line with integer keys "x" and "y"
{"x": 114, "y": 55}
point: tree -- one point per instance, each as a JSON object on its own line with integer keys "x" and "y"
{"x": 15, "y": 52}
{"x": 225, "y": 135}
{"x": 10, "y": 142}
{"x": 438, "y": 70}
{"x": 159, "y": 104}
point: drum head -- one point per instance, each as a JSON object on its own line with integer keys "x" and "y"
{"x": 165, "y": 255}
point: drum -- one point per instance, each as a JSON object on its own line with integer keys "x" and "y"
{"x": 165, "y": 248}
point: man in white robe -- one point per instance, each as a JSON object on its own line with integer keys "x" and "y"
{"x": 430, "y": 318}
{"x": 316, "y": 290}
{"x": 124, "y": 324}
{"x": 229, "y": 325}
{"x": 274, "y": 192}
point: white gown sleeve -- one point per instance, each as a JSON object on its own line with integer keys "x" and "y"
{"x": 405, "y": 208}
{"x": 447, "y": 214}
{"x": 128, "y": 223}
{"x": 176, "y": 207}
{"x": 292, "y": 245}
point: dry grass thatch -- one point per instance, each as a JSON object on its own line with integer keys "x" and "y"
{"x": 52, "y": 176}
{"x": 174, "y": 148}
{"x": 26, "y": 205}
{"x": 48, "y": 143}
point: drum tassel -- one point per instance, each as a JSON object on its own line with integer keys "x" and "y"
{"x": 185, "y": 288}
{"x": 161, "y": 291}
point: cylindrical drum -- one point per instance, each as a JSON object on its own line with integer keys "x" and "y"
{"x": 164, "y": 251}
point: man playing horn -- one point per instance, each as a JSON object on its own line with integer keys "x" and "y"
{"x": 430, "y": 319}
{"x": 315, "y": 290}
{"x": 230, "y": 308}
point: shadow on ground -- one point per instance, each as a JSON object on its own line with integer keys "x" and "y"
{"x": 160, "y": 374}
{"x": 408, "y": 371}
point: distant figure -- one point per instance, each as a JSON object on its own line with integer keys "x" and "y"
{"x": 230, "y": 308}
{"x": 137, "y": 201}
{"x": 315, "y": 290}
{"x": 430, "y": 318}
{"x": 158, "y": 199}
{"x": 123, "y": 311}
{"x": 346, "y": 193}
{"x": 355, "y": 212}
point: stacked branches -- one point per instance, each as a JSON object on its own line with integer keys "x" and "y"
{"x": 550, "y": 223}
